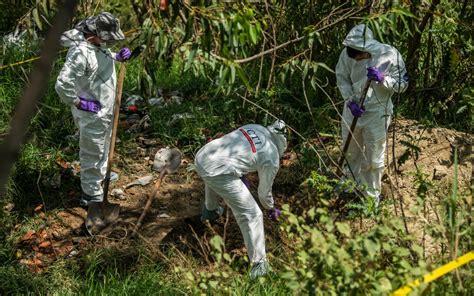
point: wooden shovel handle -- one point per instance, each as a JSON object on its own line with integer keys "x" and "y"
{"x": 151, "y": 196}
{"x": 353, "y": 125}
{"x": 118, "y": 99}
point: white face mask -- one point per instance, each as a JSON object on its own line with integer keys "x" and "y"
{"x": 278, "y": 131}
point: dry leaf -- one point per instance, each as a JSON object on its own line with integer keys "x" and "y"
{"x": 28, "y": 236}
{"x": 45, "y": 244}
{"x": 38, "y": 208}
{"x": 43, "y": 234}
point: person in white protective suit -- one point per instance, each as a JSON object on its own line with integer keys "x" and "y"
{"x": 222, "y": 162}
{"x": 87, "y": 82}
{"x": 365, "y": 58}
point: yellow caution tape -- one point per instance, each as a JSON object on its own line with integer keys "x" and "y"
{"x": 37, "y": 58}
{"x": 438, "y": 272}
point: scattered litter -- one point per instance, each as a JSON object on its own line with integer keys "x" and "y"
{"x": 8, "y": 207}
{"x": 147, "y": 142}
{"x": 73, "y": 253}
{"x": 133, "y": 102}
{"x": 177, "y": 117}
{"x": 76, "y": 167}
{"x": 114, "y": 176}
{"x": 164, "y": 216}
{"x": 159, "y": 102}
{"x": 137, "y": 123}
{"x": 133, "y": 119}
{"x": 141, "y": 181}
{"x": 177, "y": 100}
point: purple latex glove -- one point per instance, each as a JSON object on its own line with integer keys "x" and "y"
{"x": 245, "y": 181}
{"x": 274, "y": 214}
{"x": 123, "y": 55}
{"x": 88, "y": 105}
{"x": 355, "y": 109}
{"x": 375, "y": 74}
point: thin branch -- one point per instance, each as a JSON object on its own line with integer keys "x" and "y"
{"x": 249, "y": 59}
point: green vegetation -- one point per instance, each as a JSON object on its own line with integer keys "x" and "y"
{"x": 199, "y": 49}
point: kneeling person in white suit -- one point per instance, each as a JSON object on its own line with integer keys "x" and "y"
{"x": 222, "y": 162}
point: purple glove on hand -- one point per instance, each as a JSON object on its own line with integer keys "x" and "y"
{"x": 375, "y": 74}
{"x": 355, "y": 109}
{"x": 89, "y": 106}
{"x": 245, "y": 181}
{"x": 274, "y": 214}
{"x": 123, "y": 55}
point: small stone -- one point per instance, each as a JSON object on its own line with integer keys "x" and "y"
{"x": 439, "y": 172}
{"x": 118, "y": 193}
{"x": 164, "y": 216}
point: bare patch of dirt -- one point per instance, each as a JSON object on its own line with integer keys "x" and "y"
{"x": 430, "y": 151}
{"x": 173, "y": 220}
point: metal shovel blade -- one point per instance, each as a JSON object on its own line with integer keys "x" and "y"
{"x": 101, "y": 215}
{"x": 167, "y": 159}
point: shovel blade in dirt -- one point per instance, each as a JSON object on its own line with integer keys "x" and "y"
{"x": 101, "y": 215}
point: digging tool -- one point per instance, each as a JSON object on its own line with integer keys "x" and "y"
{"x": 100, "y": 215}
{"x": 172, "y": 160}
{"x": 353, "y": 125}
{"x": 105, "y": 213}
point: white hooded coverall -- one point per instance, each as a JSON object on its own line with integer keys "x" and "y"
{"x": 221, "y": 163}
{"x": 89, "y": 72}
{"x": 365, "y": 155}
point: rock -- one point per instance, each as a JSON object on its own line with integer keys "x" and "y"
{"x": 118, "y": 193}
{"x": 164, "y": 216}
{"x": 439, "y": 172}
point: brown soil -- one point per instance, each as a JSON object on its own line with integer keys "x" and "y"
{"x": 173, "y": 220}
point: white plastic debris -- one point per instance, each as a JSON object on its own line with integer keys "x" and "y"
{"x": 160, "y": 102}
{"x": 176, "y": 117}
{"x": 141, "y": 181}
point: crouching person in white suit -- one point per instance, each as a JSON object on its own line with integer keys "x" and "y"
{"x": 222, "y": 162}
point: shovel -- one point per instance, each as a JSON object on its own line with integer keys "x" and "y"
{"x": 353, "y": 125}
{"x": 170, "y": 159}
{"x": 99, "y": 215}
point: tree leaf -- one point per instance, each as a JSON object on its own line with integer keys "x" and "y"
{"x": 253, "y": 34}
{"x": 37, "y": 19}
{"x": 343, "y": 228}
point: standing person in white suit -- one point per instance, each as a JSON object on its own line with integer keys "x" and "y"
{"x": 87, "y": 83}
{"x": 222, "y": 162}
{"x": 365, "y": 58}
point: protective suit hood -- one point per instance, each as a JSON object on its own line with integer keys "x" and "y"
{"x": 71, "y": 38}
{"x": 361, "y": 38}
{"x": 278, "y": 132}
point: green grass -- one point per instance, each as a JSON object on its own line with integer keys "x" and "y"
{"x": 133, "y": 270}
